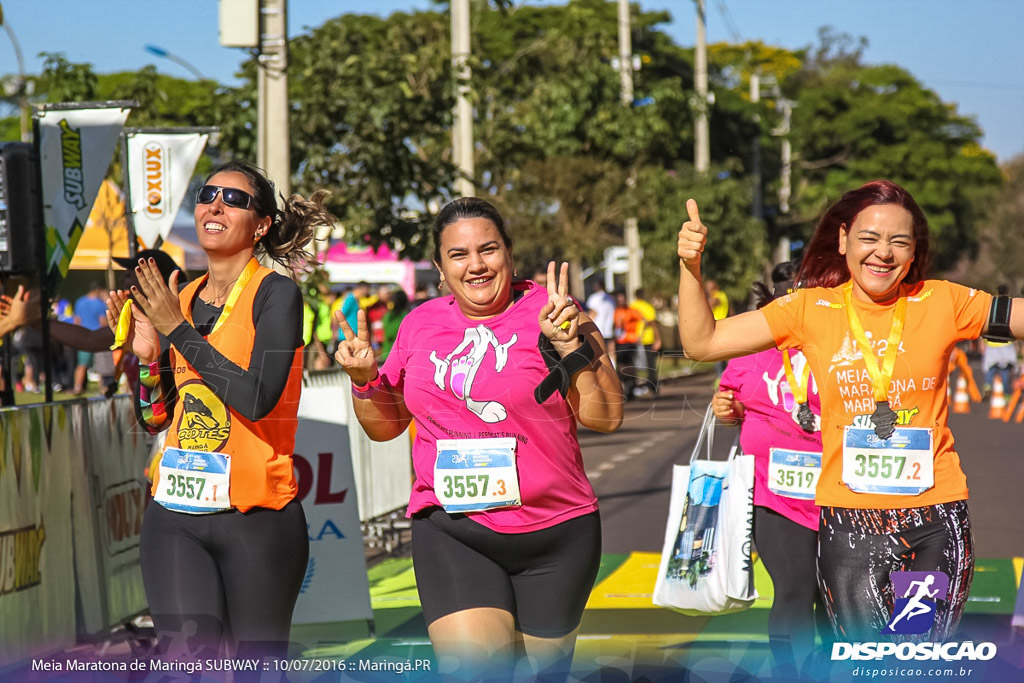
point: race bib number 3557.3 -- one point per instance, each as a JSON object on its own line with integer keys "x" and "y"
{"x": 193, "y": 481}
{"x": 471, "y": 475}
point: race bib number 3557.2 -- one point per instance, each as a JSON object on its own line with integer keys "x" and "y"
{"x": 903, "y": 464}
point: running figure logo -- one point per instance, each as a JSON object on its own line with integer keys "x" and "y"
{"x": 916, "y": 595}
{"x": 461, "y": 370}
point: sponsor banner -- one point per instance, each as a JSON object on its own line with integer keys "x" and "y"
{"x": 75, "y": 149}
{"x": 37, "y": 583}
{"x": 335, "y": 587}
{"x": 160, "y": 166}
{"x": 117, "y": 448}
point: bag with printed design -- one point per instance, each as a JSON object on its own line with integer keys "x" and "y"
{"x": 706, "y": 566}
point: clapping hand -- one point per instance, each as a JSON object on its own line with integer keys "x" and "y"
{"x": 559, "y": 319}
{"x": 693, "y": 235}
{"x": 142, "y": 336}
{"x": 158, "y": 299}
{"x": 354, "y": 354}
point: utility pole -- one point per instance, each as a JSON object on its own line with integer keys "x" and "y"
{"x": 462, "y": 124}
{"x": 702, "y": 143}
{"x": 782, "y": 250}
{"x": 634, "y": 278}
{"x": 755, "y": 98}
{"x": 273, "y": 142}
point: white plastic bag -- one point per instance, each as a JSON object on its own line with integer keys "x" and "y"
{"x": 706, "y": 566}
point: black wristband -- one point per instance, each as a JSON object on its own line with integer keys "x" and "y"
{"x": 999, "y": 320}
{"x": 561, "y": 370}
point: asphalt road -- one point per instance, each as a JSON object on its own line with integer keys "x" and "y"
{"x": 631, "y": 469}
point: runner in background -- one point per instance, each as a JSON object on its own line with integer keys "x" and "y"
{"x": 650, "y": 343}
{"x": 497, "y": 374}
{"x": 878, "y": 337}
{"x": 999, "y": 358}
{"x": 629, "y": 324}
{"x": 601, "y": 308}
{"x": 775, "y": 399}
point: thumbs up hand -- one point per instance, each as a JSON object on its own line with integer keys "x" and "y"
{"x": 693, "y": 235}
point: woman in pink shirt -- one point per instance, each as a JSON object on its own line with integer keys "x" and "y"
{"x": 775, "y": 399}
{"x": 506, "y": 533}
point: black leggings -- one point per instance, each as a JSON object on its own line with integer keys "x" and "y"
{"x": 543, "y": 578}
{"x": 230, "y": 576}
{"x": 789, "y": 552}
{"x": 858, "y": 549}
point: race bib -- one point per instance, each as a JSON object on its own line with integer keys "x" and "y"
{"x": 902, "y": 465}
{"x": 193, "y": 481}
{"x": 476, "y": 474}
{"x": 793, "y": 474}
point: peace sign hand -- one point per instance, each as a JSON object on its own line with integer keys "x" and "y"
{"x": 354, "y": 354}
{"x": 693, "y": 235}
{"x": 559, "y": 319}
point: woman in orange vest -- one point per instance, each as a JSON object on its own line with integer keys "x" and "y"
{"x": 225, "y": 544}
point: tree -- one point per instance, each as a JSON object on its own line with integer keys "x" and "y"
{"x": 1000, "y": 237}
{"x": 854, "y": 123}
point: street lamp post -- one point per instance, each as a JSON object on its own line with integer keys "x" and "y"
{"x": 19, "y": 90}
{"x": 160, "y": 52}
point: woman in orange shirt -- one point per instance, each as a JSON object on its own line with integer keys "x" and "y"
{"x": 877, "y": 336}
{"x": 224, "y": 545}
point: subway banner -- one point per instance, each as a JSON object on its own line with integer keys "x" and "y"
{"x": 160, "y": 163}
{"x": 37, "y": 581}
{"x": 76, "y": 143}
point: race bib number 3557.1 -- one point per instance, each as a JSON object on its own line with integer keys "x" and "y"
{"x": 193, "y": 481}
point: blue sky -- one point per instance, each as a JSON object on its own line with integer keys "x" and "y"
{"x": 969, "y": 51}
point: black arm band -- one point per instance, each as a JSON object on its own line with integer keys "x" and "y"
{"x": 999, "y": 320}
{"x": 561, "y": 370}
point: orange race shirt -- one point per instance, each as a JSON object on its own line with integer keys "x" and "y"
{"x": 260, "y": 450}
{"x": 939, "y": 314}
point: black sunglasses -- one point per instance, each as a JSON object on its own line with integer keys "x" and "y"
{"x": 232, "y": 196}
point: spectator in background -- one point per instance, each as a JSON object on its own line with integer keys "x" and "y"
{"x": 628, "y": 328}
{"x": 90, "y": 313}
{"x": 999, "y": 358}
{"x": 66, "y": 354}
{"x": 601, "y": 307}
{"x": 392, "y": 319}
{"x": 351, "y": 304}
{"x": 717, "y": 299}
{"x": 650, "y": 342}
{"x": 375, "y": 316}
{"x": 420, "y": 296}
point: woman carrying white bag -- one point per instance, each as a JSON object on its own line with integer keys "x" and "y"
{"x": 775, "y": 398}
{"x": 705, "y": 562}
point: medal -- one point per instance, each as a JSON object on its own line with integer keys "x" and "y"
{"x": 806, "y": 418}
{"x": 884, "y": 419}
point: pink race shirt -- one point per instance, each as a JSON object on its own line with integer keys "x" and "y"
{"x": 759, "y": 382}
{"x": 474, "y": 379}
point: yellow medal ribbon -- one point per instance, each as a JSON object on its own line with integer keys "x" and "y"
{"x": 880, "y": 378}
{"x": 236, "y": 291}
{"x": 799, "y": 390}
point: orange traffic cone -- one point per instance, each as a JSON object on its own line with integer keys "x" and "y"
{"x": 961, "y": 400}
{"x": 997, "y": 404}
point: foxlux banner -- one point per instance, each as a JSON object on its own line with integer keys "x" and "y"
{"x": 160, "y": 165}
{"x": 76, "y": 144}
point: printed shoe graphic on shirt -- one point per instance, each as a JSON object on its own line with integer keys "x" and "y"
{"x": 461, "y": 365}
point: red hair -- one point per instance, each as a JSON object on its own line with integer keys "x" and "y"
{"x": 824, "y": 266}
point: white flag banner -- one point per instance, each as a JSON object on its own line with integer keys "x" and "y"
{"x": 160, "y": 166}
{"x": 76, "y": 144}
